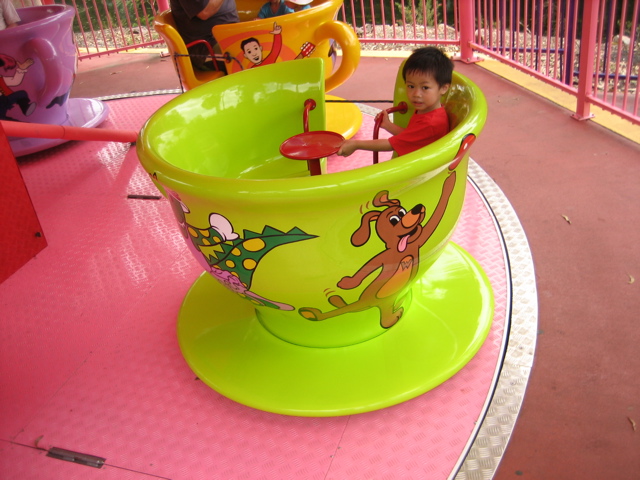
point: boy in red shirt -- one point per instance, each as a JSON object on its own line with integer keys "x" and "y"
{"x": 427, "y": 74}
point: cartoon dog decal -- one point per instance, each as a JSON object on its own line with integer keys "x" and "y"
{"x": 403, "y": 234}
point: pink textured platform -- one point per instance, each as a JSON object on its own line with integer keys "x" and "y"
{"x": 90, "y": 361}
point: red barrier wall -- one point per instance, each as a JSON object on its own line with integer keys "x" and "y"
{"x": 21, "y": 236}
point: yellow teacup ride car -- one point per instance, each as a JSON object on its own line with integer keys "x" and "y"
{"x": 252, "y": 43}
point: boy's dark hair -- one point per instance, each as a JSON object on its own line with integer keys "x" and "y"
{"x": 247, "y": 41}
{"x": 429, "y": 60}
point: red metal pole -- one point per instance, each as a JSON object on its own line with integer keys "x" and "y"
{"x": 309, "y": 105}
{"x": 41, "y": 130}
{"x": 402, "y": 108}
{"x": 467, "y": 24}
{"x": 587, "y": 56}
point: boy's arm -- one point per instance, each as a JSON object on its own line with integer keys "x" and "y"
{"x": 377, "y": 145}
{"x": 210, "y": 10}
{"x": 11, "y": 17}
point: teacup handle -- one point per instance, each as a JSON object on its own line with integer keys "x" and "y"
{"x": 45, "y": 52}
{"x": 344, "y": 35}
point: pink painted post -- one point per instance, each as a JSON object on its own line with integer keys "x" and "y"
{"x": 587, "y": 56}
{"x": 163, "y": 5}
{"x": 467, "y": 23}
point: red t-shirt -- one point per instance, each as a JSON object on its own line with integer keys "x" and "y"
{"x": 423, "y": 129}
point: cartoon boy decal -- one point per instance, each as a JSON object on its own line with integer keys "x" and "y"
{"x": 11, "y": 75}
{"x": 253, "y": 51}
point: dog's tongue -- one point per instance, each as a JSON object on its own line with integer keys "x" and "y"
{"x": 403, "y": 243}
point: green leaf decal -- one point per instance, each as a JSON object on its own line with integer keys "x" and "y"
{"x": 242, "y": 255}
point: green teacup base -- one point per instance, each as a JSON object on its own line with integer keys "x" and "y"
{"x": 227, "y": 347}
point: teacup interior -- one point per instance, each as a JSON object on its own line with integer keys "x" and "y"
{"x": 233, "y": 127}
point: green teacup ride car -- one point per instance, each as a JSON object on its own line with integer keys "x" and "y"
{"x": 327, "y": 294}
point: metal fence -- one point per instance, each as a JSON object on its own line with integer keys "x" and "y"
{"x": 103, "y": 27}
{"x": 588, "y": 48}
{"x": 113, "y": 26}
{"x": 393, "y": 24}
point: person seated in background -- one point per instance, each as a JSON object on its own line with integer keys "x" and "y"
{"x": 298, "y": 5}
{"x": 194, "y": 21}
{"x": 427, "y": 74}
{"x": 8, "y": 15}
{"x": 274, "y": 8}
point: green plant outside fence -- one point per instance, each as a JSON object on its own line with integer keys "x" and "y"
{"x": 422, "y": 13}
{"x": 101, "y": 15}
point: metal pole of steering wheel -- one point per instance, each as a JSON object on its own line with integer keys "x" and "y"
{"x": 309, "y": 105}
{"x": 312, "y": 164}
{"x": 311, "y": 146}
{"x": 401, "y": 108}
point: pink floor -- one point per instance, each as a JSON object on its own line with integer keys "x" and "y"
{"x": 574, "y": 186}
{"x": 90, "y": 360}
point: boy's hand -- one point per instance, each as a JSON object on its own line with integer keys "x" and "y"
{"x": 386, "y": 121}
{"x": 347, "y": 148}
{"x": 387, "y": 124}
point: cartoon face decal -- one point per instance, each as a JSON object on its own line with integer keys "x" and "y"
{"x": 403, "y": 235}
{"x": 253, "y": 51}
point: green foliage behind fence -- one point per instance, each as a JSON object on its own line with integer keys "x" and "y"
{"x": 103, "y": 14}
{"x": 399, "y": 11}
